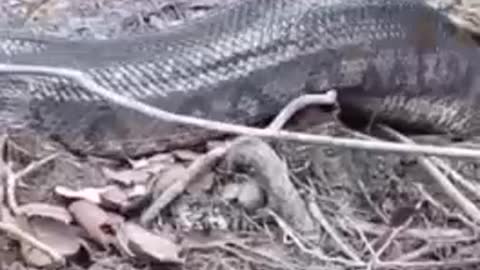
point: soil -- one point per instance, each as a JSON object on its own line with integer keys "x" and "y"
{"x": 376, "y": 190}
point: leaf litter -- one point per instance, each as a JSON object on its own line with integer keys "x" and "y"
{"x": 95, "y": 209}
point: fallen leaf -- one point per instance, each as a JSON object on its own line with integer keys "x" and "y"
{"x": 154, "y": 164}
{"x": 142, "y": 242}
{"x": 46, "y": 210}
{"x": 185, "y": 155}
{"x": 56, "y": 234}
{"x": 114, "y": 198}
{"x": 137, "y": 190}
{"x": 126, "y": 177}
{"x": 97, "y": 222}
{"x": 90, "y": 194}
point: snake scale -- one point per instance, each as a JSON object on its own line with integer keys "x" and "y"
{"x": 398, "y": 60}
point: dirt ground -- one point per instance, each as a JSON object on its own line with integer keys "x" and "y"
{"x": 367, "y": 209}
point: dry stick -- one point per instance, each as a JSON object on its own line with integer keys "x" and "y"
{"x": 457, "y": 177}
{"x": 207, "y": 160}
{"x": 195, "y": 169}
{"x": 462, "y": 201}
{"x": 315, "y": 252}
{"x": 473, "y": 226}
{"x": 299, "y": 103}
{"x": 26, "y": 237}
{"x": 417, "y": 253}
{"x": 392, "y": 234}
{"x": 320, "y": 217}
{"x": 13, "y": 230}
{"x": 435, "y": 234}
{"x": 89, "y": 84}
{"x": 13, "y": 177}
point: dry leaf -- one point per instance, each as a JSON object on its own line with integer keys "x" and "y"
{"x": 55, "y": 234}
{"x": 145, "y": 243}
{"x": 137, "y": 190}
{"x": 126, "y": 177}
{"x": 114, "y": 198}
{"x": 46, "y": 210}
{"x": 90, "y": 194}
{"x": 185, "y": 155}
{"x": 97, "y": 222}
{"x": 164, "y": 159}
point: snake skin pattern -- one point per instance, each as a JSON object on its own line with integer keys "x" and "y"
{"x": 398, "y": 60}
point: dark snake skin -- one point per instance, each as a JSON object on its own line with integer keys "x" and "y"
{"x": 398, "y": 60}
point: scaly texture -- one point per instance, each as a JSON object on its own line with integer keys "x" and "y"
{"x": 398, "y": 59}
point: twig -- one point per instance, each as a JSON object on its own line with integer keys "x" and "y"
{"x": 25, "y": 237}
{"x": 11, "y": 183}
{"x": 457, "y": 177}
{"x": 199, "y": 166}
{"x": 417, "y": 253}
{"x": 440, "y": 235}
{"x": 444, "y": 209}
{"x": 13, "y": 177}
{"x": 89, "y": 84}
{"x": 271, "y": 173}
{"x": 316, "y": 252}
{"x": 206, "y": 161}
{"x": 320, "y": 217}
{"x": 462, "y": 201}
{"x": 300, "y": 103}
{"x": 444, "y": 264}
{"x": 236, "y": 246}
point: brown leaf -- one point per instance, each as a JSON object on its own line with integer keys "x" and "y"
{"x": 137, "y": 190}
{"x": 185, "y": 155}
{"x": 98, "y": 223}
{"x": 127, "y": 177}
{"x": 154, "y": 164}
{"x": 147, "y": 244}
{"x": 114, "y": 198}
{"x": 90, "y": 194}
{"x": 46, "y": 210}
{"x": 56, "y": 234}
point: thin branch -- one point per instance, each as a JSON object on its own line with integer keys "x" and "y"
{"x": 457, "y": 177}
{"x": 462, "y": 201}
{"x": 206, "y": 161}
{"x": 315, "y": 252}
{"x": 13, "y": 177}
{"x": 320, "y": 217}
{"x": 25, "y": 237}
{"x": 300, "y": 103}
{"x": 85, "y": 81}
{"x": 199, "y": 166}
